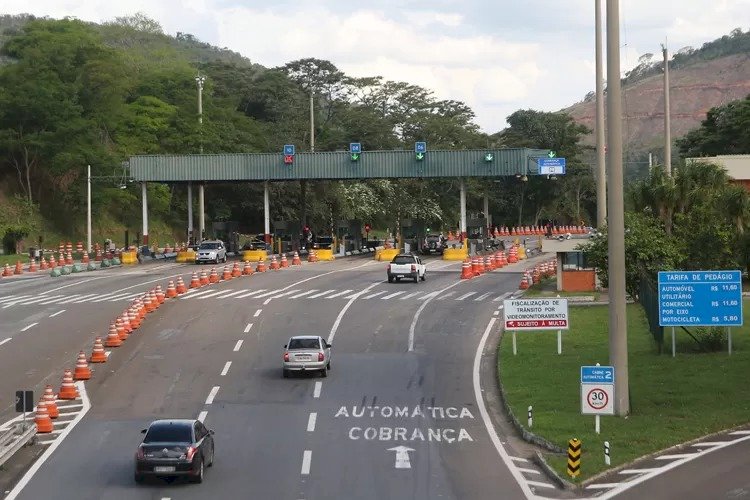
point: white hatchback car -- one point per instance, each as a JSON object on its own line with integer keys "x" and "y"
{"x": 211, "y": 251}
{"x": 307, "y": 353}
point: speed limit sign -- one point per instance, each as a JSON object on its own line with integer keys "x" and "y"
{"x": 597, "y": 399}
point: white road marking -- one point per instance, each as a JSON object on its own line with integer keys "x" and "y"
{"x": 710, "y": 443}
{"x": 85, "y": 298}
{"x": 316, "y": 390}
{"x": 321, "y": 294}
{"x": 197, "y": 294}
{"x": 247, "y": 328}
{"x": 257, "y": 313}
{"x": 336, "y": 323}
{"x": 529, "y": 471}
{"x": 338, "y": 294}
{"x": 739, "y": 433}
{"x": 519, "y": 459}
{"x": 482, "y": 297}
{"x": 311, "y": 422}
{"x": 638, "y": 471}
{"x": 445, "y": 295}
{"x": 429, "y": 296}
{"x": 74, "y": 284}
{"x": 413, "y": 326}
{"x": 212, "y": 294}
{"x": 303, "y": 294}
{"x": 225, "y": 370}
{"x": 540, "y": 484}
{"x": 56, "y": 299}
{"x": 266, "y": 294}
{"x": 250, "y": 294}
{"x": 500, "y": 298}
{"x": 6, "y": 340}
{"x": 602, "y": 486}
{"x": 269, "y": 299}
{"x": 238, "y": 345}
{"x": 11, "y": 298}
{"x": 127, "y": 296}
{"x": 496, "y": 313}
{"x": 212, "y": 395}
{"x": 108, "y": 296}
{"x": 374, "y": 294}
{"x": 28, "y": 327}
{"x": 230, "y": 294}
{"x": 306, "y": 459}
{"x": 409, "y": 295}
{"x": 522, "y": 482}
{"x": 462, "y": 297}
{"x": 33, "y": 301}
{"x": 391, "y": 295}
{"x": 202, "y": 416}
{"x": 53, "y": 446}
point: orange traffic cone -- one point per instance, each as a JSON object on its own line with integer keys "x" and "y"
{"x": 135, "y": 320}
{"x": 7, "y": 270}
{"x": 171, "y": 290}
{"x": 43, "y": 266}
{"x": 41, "y": 419}
{"x": 274, "y": 264}
{"x": 296, "y": 260}
{"x": 284, "y": 262}
{"x": 82, "y": 371}
{"x": 536, "y": 276}
{"x": 236, "y": 271}
{"x": 32, "y": 266}
{"x": 261, "y": 266}
{"x": 126, "y": 322}
{"x": 69, "y": 259}
{"x": 97, "y": 354}
{"x": 49, "y": 397}
{"x": 226, "y": 274}
{"x": 311, "y": 256}
{"x": 19, "y": 268}
{"x": 113, "y": 339}
{"x": 85, "y": 258}
{"x": 79, "y": 247}
{"x": 204, "y": 278}
{"x": 160, "y": 296}
{"x": 194, "y": 282}
{"x": 120, "y": 329}
{"x": 466, "y": 272}
{"x": 488, "y": 263}
{"x": 513, "y": 255}
{"x": 500, "y": 259}
{"x": 52, "y": 262}
{"x": 214, "y": 276}
{"x": 247, "y": 269}
{"x": 147, "y": 304}
{"x": 181, "y": 288}
{"x": 480, "y": 259}
{"x": 524, "y": 283}
{"x": 68, "y": 388}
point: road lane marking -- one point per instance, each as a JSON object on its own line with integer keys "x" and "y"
{"x": 338, "y": 294}
{"x": 445, "y": 296}
{"x": 739, "y": 433}
{"x": 57, "y": 313}
{"x": 636, "y": 471}
{"x": 266, "y": 294}
{"x": 522, "y": 481}
{"x": 336, "y": 323}
{"x": 238, "y": 345}
{"x": 431, "y": 295}
{"x": 413, "y": 326}
{"x": 462, "y": 297}
{"x": 212, "y": 395}
{"x": 250, "y": 294}
{"x": 482, "y": 297}
{"x": 321, "y": 294}
{"x": 529, "y": 471}
{"x": 374, "y": 294}
{"x": 540, "y": 484}
{"x": 316, "y": 391}
{"x": 226, "y": 296}
{"x": 202, "y": 415}
{"x": 28, "y": 327}
{"x": 496, "y": 313}
{"x": 74, "y": 284}
{"x": 500, "y": 298}
{"x": 311, "y": 422}
{"x": 303, "y": 294}
{"x": 11, "y": 298}
{"x": 226, "y": 368}
{"x": 519, "y": 459}
{"x": 391, "y": 295}
{"x": 247, "y": 328}
{"x": 84, "y": 298}
{"x": 306, "y": 459}
{"x": 257, "y": 313}
{"x": 197, "y": 294}
{"x": 28, "y": 302}
{"x": 213, "y": 294}
{"x": 677, "y": 456}
{"x": 6, "y": 340}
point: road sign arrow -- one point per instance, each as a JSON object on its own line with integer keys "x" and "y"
{"x": 402, "y": 457}
{"x": 551, "y": 154}
{"x": 420, "y": 156}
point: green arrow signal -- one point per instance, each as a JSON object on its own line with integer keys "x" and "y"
{"x": 551, "y": 154}
{"x": 355, "y": 156}
{"x": 488, "y": 157}
{"x": 420, "y": 156}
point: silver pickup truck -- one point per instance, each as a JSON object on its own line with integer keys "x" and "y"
{"x": 406, "y": 266}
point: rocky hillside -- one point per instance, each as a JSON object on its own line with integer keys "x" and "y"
{"x": 697, "y": 84}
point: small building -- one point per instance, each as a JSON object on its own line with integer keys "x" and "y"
{"x": 737, "y": 166}
{"x": 574, "y": 274}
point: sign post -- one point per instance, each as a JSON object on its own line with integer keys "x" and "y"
{"x": 24, "y": 403}
{"x": 700, "y": 298}
{"x": 597, "y": 392}
{"x": 536, "y": 314}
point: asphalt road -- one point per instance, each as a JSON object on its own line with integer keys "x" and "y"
{"x": 402, "y": 376}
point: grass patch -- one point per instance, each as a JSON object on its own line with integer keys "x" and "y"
{"x": 672, "y": 399}
{"x": 12, "y": 259}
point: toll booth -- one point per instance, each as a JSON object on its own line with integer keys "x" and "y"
{"x": 228, "y": 232}
{"x": 287, "y": 235}
{"x": 476, "y": 229}
{"x": 349, "y": 235}
{"x": 413, "y": 232}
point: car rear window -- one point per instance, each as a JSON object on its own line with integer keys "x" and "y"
{"x": 403, "y": 259}
{"x": 304, "y": 344}
{"x": 208, "y": 246}
{"x": 169, "y": 433}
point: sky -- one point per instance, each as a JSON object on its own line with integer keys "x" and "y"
{"x": 497, "y": 56}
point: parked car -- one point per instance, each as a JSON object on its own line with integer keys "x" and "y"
{"x": 211, "y": 251}
{"x": 175, "y": 447}
{"x": 406, "y": 266}
{"x": 433, "y": 243}
{"x": 307, "y": 353}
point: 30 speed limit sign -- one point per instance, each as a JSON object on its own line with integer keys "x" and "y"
{"x": 597, "y": 399}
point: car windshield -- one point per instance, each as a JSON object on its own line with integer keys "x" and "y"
{"x": 403, "y": 259}
{"x": 169, "y": 433}
{"x": 433, "y": 238}
{"x": 304, "y": 344}
{"x": 208, "y": 246}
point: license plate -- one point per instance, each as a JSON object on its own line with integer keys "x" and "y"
{"x": 304, "y": 358}
{"x": 164, "y": 469}
{"x": 399, "y": 275}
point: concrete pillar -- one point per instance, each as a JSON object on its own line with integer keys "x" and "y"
{"x": 190, "y": 210}
{"x": 144, "y": 214}
{"x": 266, "y": 212}
{"x": 560, "y": 260}
{"x": 462, "y": 187}
{"x": 201, "y": 213}
{"x": 487, "y": 220}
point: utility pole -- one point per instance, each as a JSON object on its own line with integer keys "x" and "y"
{"x": 618, "y": 326}
{"x": 601, "y": 168}
{"x": 88, "y": 209}
{"x": 667, "y": 120}
{"x": 200, "y": 80}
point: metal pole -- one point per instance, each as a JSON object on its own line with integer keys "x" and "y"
{"x": 200, "y": 80}
{"x": 201, "y": 212}
{"x": 729, "y": 339}
{"x": 674, "y": 344}
{"x": 312, "y": 123}
{"x": 144, "y": 214}
{"x": 190, "y": 210}
{"x": 514, "y": 343}
{"x": 487, "y": 212}
{"x": 618, "y": 326}
{"x": 667, "y": 121}
{"x": 601, "y": 169}
{"x": 462, "y": 187}
{"x": 597, "y": 423}
{"x": 266, "y": 210}
{"x": 88, "y": 209}
{"x": 559, "y": 341}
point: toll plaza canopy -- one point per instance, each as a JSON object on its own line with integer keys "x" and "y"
{"x": 334, "y": 165}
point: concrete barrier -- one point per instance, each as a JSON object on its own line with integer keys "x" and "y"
{"x": 325, "y": 254}
{"x": 455, "y": 253}
{"x": 185, "y": 256}
{"x": 522, "y": 253}
{"x": 386, "y": 254}
{"x": 254, "y": 255}
{"x": 130, "y": 257}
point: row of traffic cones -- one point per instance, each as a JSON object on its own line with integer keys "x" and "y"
{"x": 498, "y": 232}
{"x": 480, "y": 264}
{"x": 534, "y": 275}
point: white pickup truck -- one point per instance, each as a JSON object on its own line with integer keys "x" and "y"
{"x": 406, "y": 266}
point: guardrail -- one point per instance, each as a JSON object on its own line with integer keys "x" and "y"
{"x": 13, "y": 439}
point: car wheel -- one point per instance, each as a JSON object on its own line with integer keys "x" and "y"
{"x": 390, "y": 279}
{"x": 323, "y": 373}
{"x": 138, "y": 478}
{"x": 286, "y": 373}
{"x": 225, "y": 259}
{"x": 424, "y": 276}
{"x": 328, "y": 365}
{"x": 211, "y": 462}
{"x": 199, "y": 477}
{"x": 416, "y": 279}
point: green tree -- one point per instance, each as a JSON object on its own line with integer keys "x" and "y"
{"x": 725, "y": 131}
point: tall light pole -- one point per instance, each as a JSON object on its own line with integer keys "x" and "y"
{"x": 88, "y": 208}
{"x": 601, "y": 170}
{"x": 200, "y": 80}
{"x": 618, "y": 326}
{"x": 667, "y": 121}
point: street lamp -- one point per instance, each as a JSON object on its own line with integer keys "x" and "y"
{"x": 200, "y": 80}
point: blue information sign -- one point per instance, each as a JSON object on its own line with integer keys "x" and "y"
{"x": 289, "y": 149}
{"x": 700, "y": 298}
{"x": 597, "y": 374}
{"x": 355, "y": 147}
{"x": 420, "y": 147}
{"x": 551, "y": 166}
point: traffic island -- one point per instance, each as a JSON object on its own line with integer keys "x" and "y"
{"x": 673, "y": 400}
